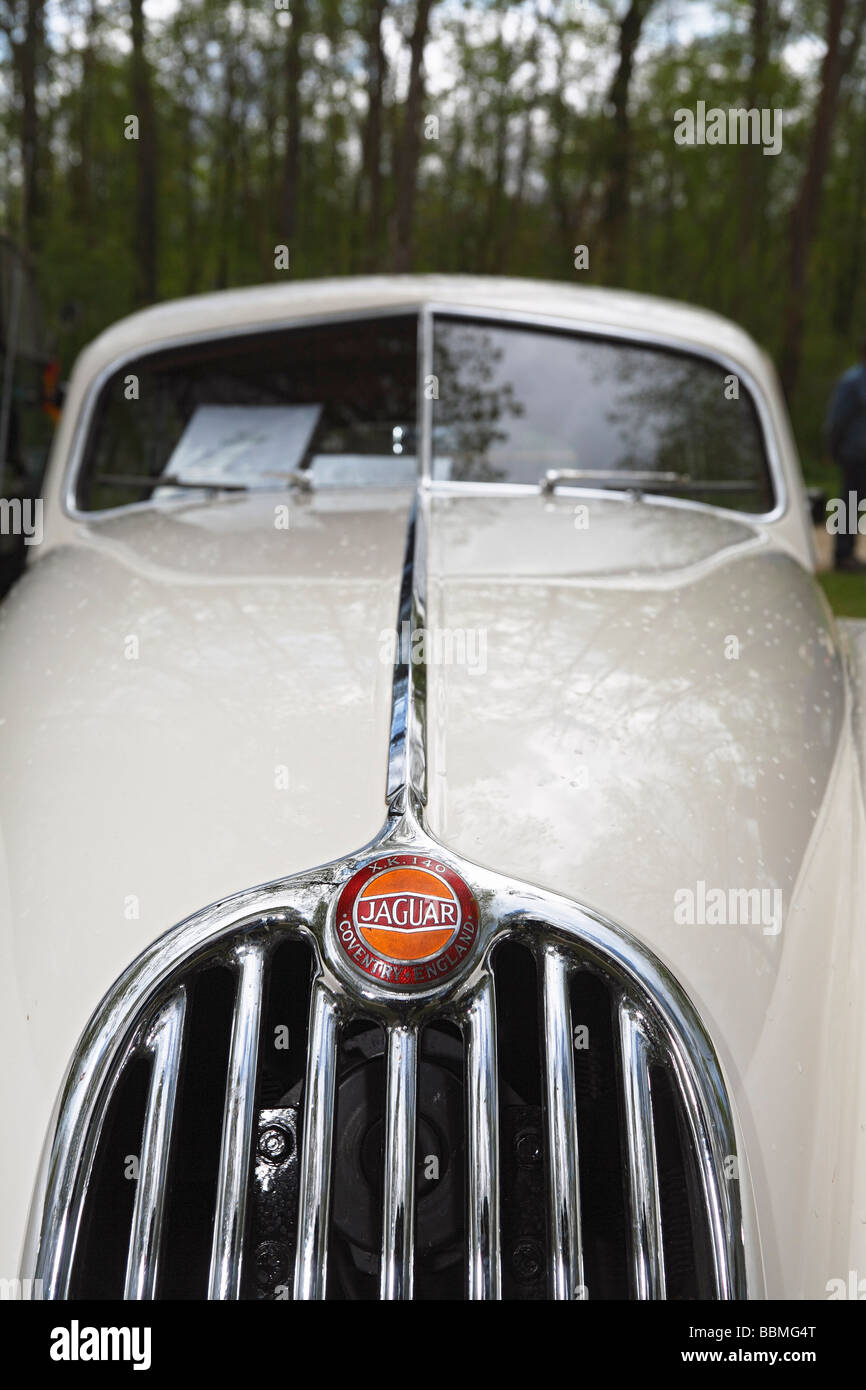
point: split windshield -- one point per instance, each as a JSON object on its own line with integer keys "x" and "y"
{"x": 335, "y": 405}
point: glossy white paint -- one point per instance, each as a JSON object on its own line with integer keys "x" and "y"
{"x": 607, "y": 746}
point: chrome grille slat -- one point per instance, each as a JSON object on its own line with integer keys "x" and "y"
{"x": 647, "y": 1250}
{"x": 711, "y": 1158}
{"x": 317, "y": 1147}
{"x": 566, "y": 1253}
{"x": 482, "y": 1108}
{"x": 163, "y": 1044}
{"x": 224, "y": 1279}
{"x": 398, "y": 1215}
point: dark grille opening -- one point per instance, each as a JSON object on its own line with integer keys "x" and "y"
{"x": 688, "y": 1268}
{"x": 518, "y": 1023}
{"x": 100, "y": 1267}
{"x": 186, "y": 1242}
{"x": 272, "y": 1230}
{"x": 523, "y": 1178}
{"x": 598, "y": 1096}
{"x": 440, "y": 1161}
{"x": 285, "y": 1019}
{"x": 356, "y": 1201}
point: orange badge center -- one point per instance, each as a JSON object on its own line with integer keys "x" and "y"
{"x": 407, "y": 914}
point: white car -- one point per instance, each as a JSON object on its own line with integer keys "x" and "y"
{"x": 432, "y": 814}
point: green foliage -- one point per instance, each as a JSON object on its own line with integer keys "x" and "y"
{"x": 846, "y": 593}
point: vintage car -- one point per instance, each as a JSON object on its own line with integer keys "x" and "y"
{"x": 432, "y": 813}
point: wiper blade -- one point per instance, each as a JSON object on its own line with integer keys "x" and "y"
{"x": 623, "y": 479}
{"x": 299, "y": 480}
{"x": 144, "y": 480}
{"x": 303, "y": 481}
{"x": 608, "y": 477}
{"x": 721, "y": 485}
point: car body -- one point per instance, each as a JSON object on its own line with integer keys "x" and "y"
{"x": 641, "y": 708}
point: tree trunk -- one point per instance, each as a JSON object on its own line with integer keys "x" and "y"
{"x": 29, "y": 53}
{"x": 849, "y": 214}
{"x": 614, "y": 220}
{"x": 370, "y": 201}
{"x": 754, "y": 183}
{"x": 850, "y": 264}
{"x": 291, "y": 168}
{"x": 494, "y": 232}
{"x": 81, "y": 180}
{"x": 524, "y": 159}
{"x": 192, "y": 269}
{"x": 559, "y": 120}
{"x": 409, "y": 149}
{"x": 838, "y": 59}
{"x": 146, "y": 222}
{"x": 228, "y": 166}
{"x": 453, "y": 217}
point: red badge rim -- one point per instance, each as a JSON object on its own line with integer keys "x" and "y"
{"x": 385, "y": 970}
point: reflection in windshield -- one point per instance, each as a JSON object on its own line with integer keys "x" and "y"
{"x": 516, "y": 403}
{"x": 469, "y": 369}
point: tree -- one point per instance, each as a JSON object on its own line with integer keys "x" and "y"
{"x": 839, "y": 56}
{"x": 371, "y": 163}
{"x": 146, "y": 224}
{"x": 292, "y": 164}
{"x": 757, "y": 97}
{"x": 614, "y": 219}
{"x": 409, "y": 148}
{"x": 81, "y": 179}
{"x": 28, "y": 56}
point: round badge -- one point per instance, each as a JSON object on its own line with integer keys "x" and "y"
{"x": 406, "y": 920}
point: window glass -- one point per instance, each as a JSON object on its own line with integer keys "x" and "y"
{"x": 333, "y": 401}
{"x": 515, "y": 403}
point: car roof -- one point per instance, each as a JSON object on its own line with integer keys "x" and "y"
{"x": 262, "y": 306}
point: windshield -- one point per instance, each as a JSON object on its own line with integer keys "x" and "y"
{"x": 517, "y": 404}
{"x": 332, "y": 405}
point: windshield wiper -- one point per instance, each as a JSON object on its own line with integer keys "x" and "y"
{"x": 299, "y": 480}
{"x": 555, "y": 477}
{"x": 142, "y": 480}
{"x": 302, "y": 481}
{"x": 623, "y": 479}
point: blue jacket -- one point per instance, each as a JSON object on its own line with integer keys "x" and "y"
{"x": 846, "y": 419}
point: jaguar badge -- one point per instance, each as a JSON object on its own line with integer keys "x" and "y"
{"x": 406, "y": 920}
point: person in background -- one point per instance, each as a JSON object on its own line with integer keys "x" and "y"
{"x": 846, "y": 437}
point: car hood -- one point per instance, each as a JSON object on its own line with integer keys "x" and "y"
{"x": 625, "y": 700}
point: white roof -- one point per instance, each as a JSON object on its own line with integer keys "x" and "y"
{"x": 262, "y": 305}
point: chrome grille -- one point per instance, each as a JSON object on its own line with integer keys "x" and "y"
{"x": 654, "y": 1036}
